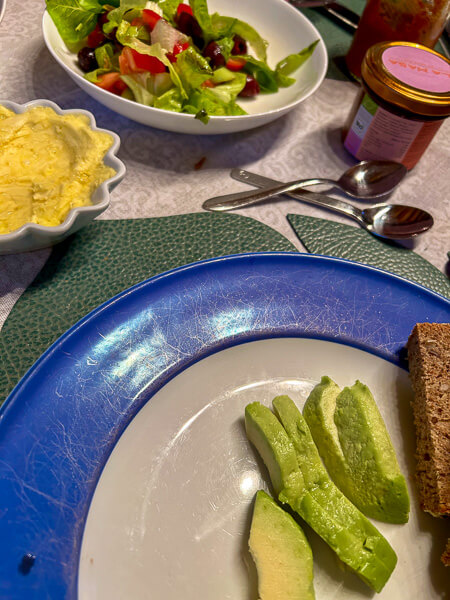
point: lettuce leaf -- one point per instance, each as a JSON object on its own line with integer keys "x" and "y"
{"x": 74, "y": 19}
{"x": 205, "y": 101}
{"x": 170, "y": 100}
{"x": 193, "y": 69}
{"x": 127, "y": 36}
{"x": 93, "y": 76}
{"x": 227, "y": 92}
{"x": 229, "y": 26}
{"x": 223, "y": 75}
{"x": 226, "y": 46}
{"x": 169, "y": 8}
{"x": 201, "y": 13}
{"x": 105, "y": 56}
{"x": 130, "y": 8}
{"x": 138, "y": 84}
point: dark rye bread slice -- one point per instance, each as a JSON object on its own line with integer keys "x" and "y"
{"x": 429, "y": 366}
{"x": 446, "y": 555}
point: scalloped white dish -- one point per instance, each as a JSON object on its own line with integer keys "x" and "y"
{"x": 285, "y": 28}
{"x": 32, "y": 236}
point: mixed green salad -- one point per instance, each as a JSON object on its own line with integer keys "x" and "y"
{"x": 171, "y": 55}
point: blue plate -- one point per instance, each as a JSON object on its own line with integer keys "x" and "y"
{"x": 61, "y": 422}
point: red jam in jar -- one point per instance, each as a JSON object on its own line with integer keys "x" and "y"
{"x": 405, "y": 98}
{"x": 419, "y": 21}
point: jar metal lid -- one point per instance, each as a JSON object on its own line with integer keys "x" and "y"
{"x": 410, "y": 76}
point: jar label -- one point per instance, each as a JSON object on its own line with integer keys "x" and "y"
{"x": 418, "y": 68}
{"x": 376, "y": 134}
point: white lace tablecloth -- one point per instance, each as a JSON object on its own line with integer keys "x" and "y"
{"x": 161, "y": 177}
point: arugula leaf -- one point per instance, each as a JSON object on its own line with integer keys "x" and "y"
{"x": 261, "y": 71}
{"x": 74, "y": 19}
{"x": 292, "y": 62}
{"x": 229, "y": 26}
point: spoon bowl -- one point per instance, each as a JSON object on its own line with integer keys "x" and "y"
{"x": 396, "y": 221}
{"x": 390, "y": 221}
{"x": 366, "y": 180}
{"x": 371, "y": 179}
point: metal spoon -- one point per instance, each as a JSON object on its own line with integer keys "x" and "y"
{"x": 368, "y": 180}
{"x": 390, "y": 221}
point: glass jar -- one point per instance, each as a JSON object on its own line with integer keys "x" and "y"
{"x": 420, "y": 21}
{"x": 404, "y": 99}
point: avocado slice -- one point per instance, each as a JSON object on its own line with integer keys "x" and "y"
{"x": 309, "y": 491}
{"x": 265, "y": 432}
{"x": 281, "y": 552}
{"x": 356, "y": 449}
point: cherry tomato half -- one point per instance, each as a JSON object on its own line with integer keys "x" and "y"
{"x": 184, "y": 8}
{"x": 112, "y": 83}
{"x": 96, "y": 37}
{"x": 235, "y": 64}
{"x": 150, "y": 18}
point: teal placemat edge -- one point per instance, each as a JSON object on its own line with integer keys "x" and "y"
{"x": 320, "y": 236}
{"x": 106, "y": 258}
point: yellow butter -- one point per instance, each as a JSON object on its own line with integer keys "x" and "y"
{"x": 49, "y": 164}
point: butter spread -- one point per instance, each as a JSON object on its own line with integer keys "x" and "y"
{"x": 49, "y": 164}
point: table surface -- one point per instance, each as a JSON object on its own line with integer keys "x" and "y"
{"x": 162, "y": 178}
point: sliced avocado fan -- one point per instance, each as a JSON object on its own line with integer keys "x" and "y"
{"x": 281, "y": 552}
{"x": 301, "y": 481}
{"x": 356, "y": 449}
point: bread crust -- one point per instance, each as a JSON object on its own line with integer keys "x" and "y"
{"x": 429, "y": 365}
{"x": 446, "y": 555}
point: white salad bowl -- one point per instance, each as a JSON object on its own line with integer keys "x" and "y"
{"x": 32, "y": 236}
{"x": 2, "y": 9}
{"x": 286, "y": 30}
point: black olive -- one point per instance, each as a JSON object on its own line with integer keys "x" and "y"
{"x": 251, "y": 88}
{"x": 213, "y": 52}
{"x": 240, "y": 45}
{"x": 87, "y": 60}
{"x": 189, "y": 25}
{"x": 102, "y": 19}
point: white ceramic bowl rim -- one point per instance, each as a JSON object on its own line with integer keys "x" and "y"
{"x": 110, "y": 158}
{"x": 186, "y": 123}
{"x": 2, "y": 9}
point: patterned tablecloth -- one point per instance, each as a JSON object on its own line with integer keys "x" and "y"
{"x": 162, "y": 178}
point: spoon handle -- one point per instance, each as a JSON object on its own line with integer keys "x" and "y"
{"x": 309, "y": 197}
{"x": 241, "y": 199}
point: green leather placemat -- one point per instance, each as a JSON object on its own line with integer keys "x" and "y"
{"x": 337, "y": 39}
{"x": 107, "y": 257}
{"x": 329, "y": 238}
